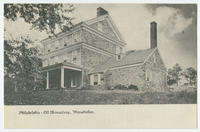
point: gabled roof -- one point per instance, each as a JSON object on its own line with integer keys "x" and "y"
{"x": 111, "y": 23}
{"x": 129, "y": 58}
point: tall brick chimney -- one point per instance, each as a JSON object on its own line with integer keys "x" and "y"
{"x": 153, "y": 34}
{"x": 101, "y": 11}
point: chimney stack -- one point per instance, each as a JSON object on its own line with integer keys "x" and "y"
{"x": 153, "y": 34}
{"x": 101, "y": 11}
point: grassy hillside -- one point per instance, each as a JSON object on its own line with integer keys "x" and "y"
{"x": 84, "y": 97}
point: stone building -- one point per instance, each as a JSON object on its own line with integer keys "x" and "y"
{"x": 91, "y": 55}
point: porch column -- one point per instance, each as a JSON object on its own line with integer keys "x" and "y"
{"x": 82, "y": 72}
{"x": 47, "y": 80}
{"x": 62, "y": 78}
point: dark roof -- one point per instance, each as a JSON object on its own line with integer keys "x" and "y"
{"x": 60, "y": 64}
{"x": 128, "y": 58}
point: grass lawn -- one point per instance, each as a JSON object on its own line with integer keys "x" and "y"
{"x": 86, "y": 97}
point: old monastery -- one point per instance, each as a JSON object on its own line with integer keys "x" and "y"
{"x": 91, "y": 55}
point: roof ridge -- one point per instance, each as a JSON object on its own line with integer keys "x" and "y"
{"x": 140, "y": 50}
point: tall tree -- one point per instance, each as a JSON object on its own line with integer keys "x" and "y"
{"x": 22, "y": 64}
{"x": 191, "y": 75}
{"x": 170, "y": 77}
{"x": 43, "y": 17}
{"x": 174, "y": 74}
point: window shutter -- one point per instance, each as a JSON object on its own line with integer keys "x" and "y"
{"x": 99, "y": 79}
{"x": 92, "y": 80}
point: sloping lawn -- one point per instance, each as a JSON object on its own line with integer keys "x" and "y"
{"x": 86, "y": 97}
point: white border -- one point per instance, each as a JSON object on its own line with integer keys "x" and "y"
{"x": 88, "y": 1}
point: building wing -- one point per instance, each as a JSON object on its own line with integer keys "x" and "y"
{"x": 131, "y": 57}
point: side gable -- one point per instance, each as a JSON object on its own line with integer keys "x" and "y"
{"x": 154, "y": 60}
{"x": 108, "y": 27}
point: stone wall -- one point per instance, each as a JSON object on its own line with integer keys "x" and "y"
{"x": 106, "y": 28}
{"x": 136, "y": 75}
{"x": 98, "y": 42}
{"x": 159, "y": 72}
{"x": 90, "y": 58}
{"x": 127, "y": 76}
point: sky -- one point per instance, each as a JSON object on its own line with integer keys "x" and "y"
{"x": 176, "y": 25}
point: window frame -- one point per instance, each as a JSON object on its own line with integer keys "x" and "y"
{"x": 74, "y": 56}
{"x": 95, "y": 82}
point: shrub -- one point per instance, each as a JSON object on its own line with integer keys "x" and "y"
{"x": 134, "y": 87}
{"x": 120, "y": 86}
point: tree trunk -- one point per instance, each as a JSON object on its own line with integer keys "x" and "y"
{"x": 15, "y": 87}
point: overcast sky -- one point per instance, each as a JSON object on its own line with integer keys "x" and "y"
{"x": 177, "y": 28}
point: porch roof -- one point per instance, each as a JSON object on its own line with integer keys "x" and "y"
{"x": 58, "y": 65}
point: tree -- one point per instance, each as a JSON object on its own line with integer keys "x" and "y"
{"x": 22, "y": 64}
{"x": 21, "y": 61}
{"x": 170, "y": 78}
{"x": 43, "y": 17}
{"x": 174, "y": 74}
{"x": 191, "y": 75}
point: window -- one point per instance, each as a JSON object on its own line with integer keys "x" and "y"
{"x": 74, "y": 56}
{"x": 56, "y": 59}
{"x": 74, "y": 59}
{"x": 119, "y": 57}
{"x": 49, "y": 61}
{"x": 61, "y": 41}
{"x": 45, "y": 62}
{"x": 76, "y": 37}
{"x": 154, "y": 58}
{"x": 92, "y": 79}
{"x": 66, "y": 40}
{"x": 69, "y": 39}
{"x": 96, "y": 79}
{"x": 148, "y": 75}
{"x": 48, "y": 47}
{"x": 118, "y": 50}
{"x": 100, "y": 26}
{"x": 56, "y": 44}
{"x": 65, "y": 44}
{"x": 101, "y": 75}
